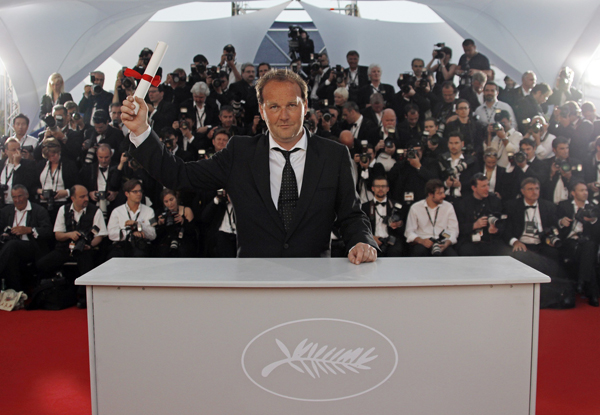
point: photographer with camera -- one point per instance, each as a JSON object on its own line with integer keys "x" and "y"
{"x": 328, "y": 126}
{"x": 176, "y": 235}
{"x": 411, "y": 127}
{"x": 563, "y": 171}
{"x": 95, "y": 97}
{"x": 79, "y": 228}
{"x": 244, "y": 94}
{"x": 15, "y": 170}
{"x": 101, "y": 133}
{"x": 226, "y": 122}
{"x": 491, "y": 106}
{"x": 502, "y": 137}
{"x": 564, "y": 90}
{"x": 24, "y": 229}
{"x": 472, "y": 131}
{"x": 319, "y": 73}
{"x": 229, "y": 65}
{"x": 367, "y": 169}
{"x": 568, "y": 122}
{"x": 474, "y": 92}
{"x": 220, "y": 221}
{"x": 480, "y": 221}
{"x": 434, "y": 145}
{"x": 364, "y": 93}
{"x": 76, "y": 120}
{"x": 161, "y": 113}
{"x": 180, "y": 89}
{"x": 414, "y": 90}
{"x": 97, "y": 177}
{"x": 124, "y": 86}
{"x": 57, "y": 127}
{"x": 199, "y": 108}
{"x": 337, "y": 79}
{"x": 388, "y": 142}
{"x": 431, "y": 226}
{"x": 443, "y": 69}
{"x": 127, "y": 169}
{"x": 115, "y": 119}
{"x": 530, "y": 106}
{"x": 374, "y": 112}
{"x": 131, "y": 225}
{"x": 360, "y": 127}
{"x": 457, "y": 167}
{"x": 521, "y": 165}
{"x": 591, "y": 170}
{"x": 387, "y": 219}
{"x": 580, "y": 231}
{"x": 170, "y": 138}
{"x": 444, "y": 110}
{"x": 472, "y": 62}
{"x": 538, "y": 132}
{"x": 498, "y": 181}
{"x": 358, "y": 75}
{"x": 515, "y": 95}
{"x": 198, "y": 70}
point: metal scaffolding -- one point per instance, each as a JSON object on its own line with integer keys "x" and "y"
{"x": 10, "y": 104}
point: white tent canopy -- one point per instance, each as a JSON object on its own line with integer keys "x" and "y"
{"x": 74, "y": 37}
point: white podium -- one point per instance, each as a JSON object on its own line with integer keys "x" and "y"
{"x": 313, "y": 336}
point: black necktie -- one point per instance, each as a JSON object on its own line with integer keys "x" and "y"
{"x": 103, "y": 169}
{"x": 288, "y": 194}
{"x": 530, "y": 207}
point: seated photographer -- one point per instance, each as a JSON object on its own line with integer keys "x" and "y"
{"x": 431, "y": 226}
{"x": 79, "y": 228}
{"x": 457, "y": 168}
{"x": 101, "y": 133}
{"x": 226, "y": 121}
{"x": 434, "y": 144}
{"x": 161, "y": 113}
{"x": 386, "y": 147}
{"x": 474, "y": 92}
{"x": 221, "y": 236}
{"x": 563, "y": 171}
{"x": 579, "y": 235}
{"x": 25, "y": 229}
{"x": 496, "y": 175}
{"x": 443, "y": 69}
{"x": 15, "y": 170}
{"x": 57, "y": 126}
{"x": 387, "y": 219}
{"x": 480, "y": 218}
{"x": 530, "y": 105}
{"x": 487, "y": 111}
{"x": 131, "y": 225}
{"x": 94, "y": 97}
{"x": 473, "y": 132}
{"x": 360, "y": 127}
{"x": 170, "y": 137}
{"x": 364, "y": 93}
{"x": 367, "y": 169}
{"x": 56, "y": 176}
{"x": 55, "y": 94}
{"x": 176, "y": 234}
{"x": 411, "y": 127}
{"x": 97, "y": 178}
{"x": 358, "y": 75}
{"x": 20, "y": 126}
{"x": 502, "y": 137}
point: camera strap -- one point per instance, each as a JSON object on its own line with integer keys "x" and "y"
{"x": 53, "y": 176}
{"x": 433, "y": 222}
{"x": 8, "y": 176}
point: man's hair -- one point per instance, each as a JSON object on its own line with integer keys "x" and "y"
{"x": 374, "y": 65}
{"x": 542, "y": 86}
{"x": 573, "y": 185}
{"x": 73, "y": 190}
{"x": 416, "y": 59}
{"x": 468, "y": 42}
{"x": 527, "y": 142}
{"x": 559, "y": 140}
{"x": 479, "y": 177}
{"x": 588, "y": 106}
{"x": 11, "y": 140}
{"x": 435, "y": 122}
{"x": 20, "y": 187}
{"x": 245, "y": 65}
{"x": 375, "y": 98}
{"x": 462, "y": 101}
{"x": 200, "y": 88}
{"x": 130, "y": 184}
{"x": 456, "y": 133}
{"x": 168, "y": 192}
{"x": 59, "y": 107}
{"x": 264, "y": 63}
{"x": 480, "y": 77}
{"x": 23, "y": 116}
{"x": 281, "y": 75}
{"x": 99, "y": 73}
{"x": 449, "y": 84}
{"x": 432, "y": 185}
{"x": 447, "y": 51}
{"x": 229, "y": 48}
{"x": 226, "y": 108}
{"x": 73, "y": 104}
{"x": 411, "y": 109}
{"x": 529, "y": 180}
{"x": 490, "y": 152}
{"x": 495, "y": 85}
{"x": 572, "y": 107}
{"x": 351, "y": 106}
{"x": 221, "y": 131}
{"x": 380, "y": 178}
{"x": 527, "y": 73}
{"x": 504, "y": 114}
{"x": 166, "y": 132}
{"x": 160, "y": 87}
{"x": 106, "y": 146}
{"x": 200, "y": 59}
{"x": 114, "y": 104}
{"x": 352, "y": 52}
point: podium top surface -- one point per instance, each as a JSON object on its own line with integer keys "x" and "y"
{"x": 310, "y": 272}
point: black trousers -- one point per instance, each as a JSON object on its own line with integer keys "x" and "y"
{"x": 582, "y": 255}
{"x": 13, "y": 255}
{"x": 128, "y": 250}
{"x": 493, "y": 248}
{"x": 420, "y": 250}
{"x": 53, "y": 261}
{"x": 226, "y": 245}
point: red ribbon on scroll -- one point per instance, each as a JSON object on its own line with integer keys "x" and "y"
{"x": 136, "y": 75}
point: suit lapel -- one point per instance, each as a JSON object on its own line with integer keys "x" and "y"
{"x": 261, "y": 173}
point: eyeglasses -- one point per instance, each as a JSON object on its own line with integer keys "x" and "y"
{"x": 462, "y": 108}
{"x": 380, "y": 186}
{"x": 135, "y": 191}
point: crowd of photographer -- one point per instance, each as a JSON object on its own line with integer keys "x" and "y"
{"x": 442, "y": 168}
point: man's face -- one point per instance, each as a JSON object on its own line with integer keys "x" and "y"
{"x": 283, "y": 111}
{"x": 589, "y": 115}
{"x": 324, "y": 60}
{"x": 490, "y": 161}
{"x": 430, "y": 127}
{"x": 262, "y": 69}
{"x": 375, "y": 74}
{"x": 350, "y": 115}
{"x": 11, "y": 149}
{"x": 249, "y": 74}
{"x": 388, "y": 119}
{"x": 562, "y": 151}
{"x": 20, "y": 126}
{"x": 449, "y": 95}
{"x": 154, "y": 95}
{"x": 531, "y": 192}
{"x": 470, "y": 51}
{"x": 98, "y": 79}
{"x": 528, "y": 150}
{"x": 80, "y": 198}
{"x": 528, "y": 81}
{"x": 482, "y": 190}
{"x": 541, "y": 98}
{"x": 101, "y": 127}
{"x": 417, "y": 67}
{"x": 380, "y": 188}
{"x": 199, "y": 99}
{"x": 377, "y": 107}
{"x": 352, "y": 61}
{"x": 490, "y": 93}
{"x": 506, "y": 124}
{"x": 20, "y": 198}
{"x": 220, "y": 141}
{"x": 455, "y": 145}
{"x": 103, "y": 155}
{"x": 135, "y": 196}
{"x": 462, "y": 110}
{"x": 115, "y": 114}
{"x": 438, "y": 196}
{"x": 226, "y": 118}
{"x": 580, "y": 193}
{"x": 412, "y": 118}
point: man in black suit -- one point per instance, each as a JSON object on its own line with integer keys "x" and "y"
{"x": 591, "y": 170}
{"x": 101, "y": 133}
{"x": 274, "y": 218}
{"x": 97, "y": 178}
{"x": 94, "y": 97}
{"x": 580, "y": 232}
{"x": 458, "y": 168}
{"x": 361, "y": 96}
{"x": 15, "y": 170}
{"x": 358, "y": 75}
{"x": 563, "y": 172}
{"x": 515, "y": 95}
{"x": 518, "y": 170}
{"x": 361, "y": 128}
{"x": 25, "y": 239}
{"x": 162, "y": 113}
{"x": 530, "y": 105}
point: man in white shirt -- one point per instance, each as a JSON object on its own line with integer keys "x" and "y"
{"x": 130, "y": 225}
{"x": 432, "y": 226}
{"x": 21, "y": 125}
{"x": 491, "y": 106}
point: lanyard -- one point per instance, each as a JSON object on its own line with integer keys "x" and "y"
{"x": 136, "y": 216}
{"x": 8, "y": 177}
{"x": 200, "y": 117}
{"x": 488, "y": 116}
{"x": 53, "y": 175}
{"x": 22, "y": 217}
{"x": 437, "y": 210}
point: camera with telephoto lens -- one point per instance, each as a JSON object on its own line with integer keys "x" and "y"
{"x": 168, "y": 143}
{"x": 497, "y": 219}
{"x": 438, "y": 243}
{"x": 434, "y": 139}
{"x": 339, "y": 73}
{"x": 7, "y": 235}
{"x": 326, "y": 115}
{"x": 466, "y": 80}
{"x": 406, "y": 81}
{"x": 448, "y": 170}
{"x": 497, "y": 126}
{"x": 439, "y": 54}
{"x": 395, "y": 214}
{"x": 48, "y": 195}
{"x": 127, "y": 83}
{"x": 564, "y": 165}
{"x": 102, "y": 201}
{"x": 389, "y": 142}
{"x": 85, "y": 239}
{"x": 550, "y": 237}
{"x": 97, "y": 88}
{"x": 411, "y": 153}
{"x": 516, "y": 158}
{"x": 53, "y": 123}
{"x": 168, "y": 217}
{"x": 590, "y": 211}
{"x": 314, "y": 64}
{"x": 91, "y": 145}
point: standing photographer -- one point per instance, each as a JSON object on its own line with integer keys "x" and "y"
{"x": 229, "y": 65}
{"x": 97, "y": 176}
{"x": 94, "y": 97}
{"x": 443, "y": 69}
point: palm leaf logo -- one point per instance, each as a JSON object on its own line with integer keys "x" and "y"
{"x": 309, "y": 358}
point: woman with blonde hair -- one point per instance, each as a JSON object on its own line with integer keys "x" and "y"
{"x": 55, "y": 94}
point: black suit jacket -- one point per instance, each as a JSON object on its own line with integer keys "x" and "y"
{"x": 68, "y": 171}
{"x": 566, "y": 208}
{"x": 369, "y": 209}
{"x": 164, "y": 116}
{"x": 469, "y": 209}
{"x": 242, "y": 168}
{"x": 25, "y": 175}
{"x": 362, "y": 77}
{"x": 549, "y": 185}
{"x": 364, "y": 93}
{"x": 86, "y": 105}
{"x": 37, "y": 218}
{"x": 516, "y": 217}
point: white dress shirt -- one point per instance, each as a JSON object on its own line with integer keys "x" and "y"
{"x": 6, "y": 177}
{"x": 53, "y": 180}
{"x": 21, "y": 220}
{"x": 116, "y": 224}
{"x": 425, "y": 223}
{"x": 61, "y": 226}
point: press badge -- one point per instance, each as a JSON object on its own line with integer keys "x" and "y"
{"x": 409, "y": 196}
{"x": 531, "y": 227}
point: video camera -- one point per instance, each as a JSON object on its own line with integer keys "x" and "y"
{"x": 439, "y": 54}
